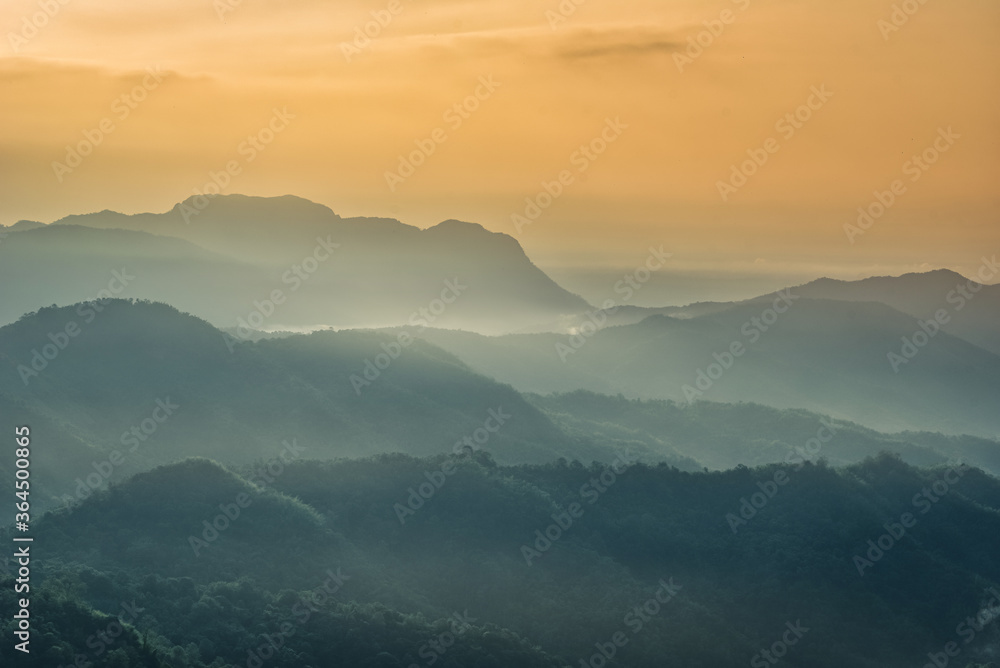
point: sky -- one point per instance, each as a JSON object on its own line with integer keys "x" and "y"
{"x": 671, "y": 97}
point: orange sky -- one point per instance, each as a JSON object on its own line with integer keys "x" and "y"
{"x": 556, "y": 87}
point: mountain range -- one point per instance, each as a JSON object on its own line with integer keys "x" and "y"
{"x": 914, "y": 352}
{"x": 208, "y": 567}
{"x": 141, "y": 384}
{"x": 851, "y": 360}
{"x": 266, "y": 435}
{"x": 225, "y": 264}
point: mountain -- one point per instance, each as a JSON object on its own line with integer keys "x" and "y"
{"x": 115, "y": 388}
{"x": 190, "y": 598}
{"x": 853, "y": 360}
{"x": 22, "y": 226}
{"x": 331, "y": 271}
{"x": 266, "y": 230}
{"x": 724, "y": 436}
{"x": 205, "y": 566}
{"x": 156, "y": 385}
{"x": 624, "y": 314}
{"x": 972, "y": 309}
{"x": 68, "y": 264}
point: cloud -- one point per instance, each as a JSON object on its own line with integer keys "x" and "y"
{"x": 617, "y": 42}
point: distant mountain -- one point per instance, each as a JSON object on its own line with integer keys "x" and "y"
{"x": 68, "y": 264}
{"x": 973, "y": 310}
{"x": 22, "y": 226}
{"x": 157, "y": 386}
{"x": 332, "y": 271}
{"x": 673, "y": 564}
{"x": 624, "y": 314}
{"x": 827, "y": 356}
{"x": 724, "y": 436}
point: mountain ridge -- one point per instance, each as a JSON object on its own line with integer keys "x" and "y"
{"x": 358, "y": 271}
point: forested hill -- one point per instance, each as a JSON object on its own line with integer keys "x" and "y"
{"x": 708, "y": 569}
